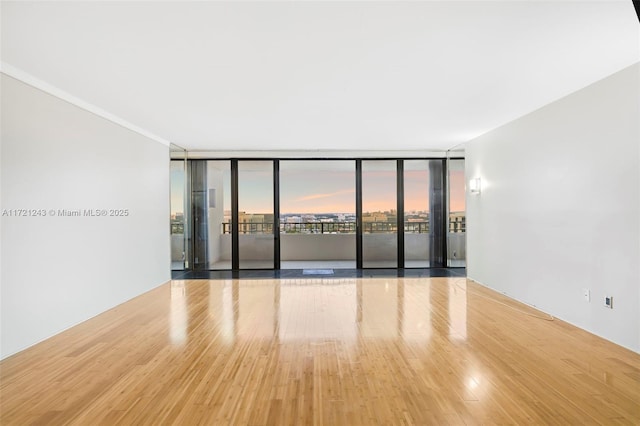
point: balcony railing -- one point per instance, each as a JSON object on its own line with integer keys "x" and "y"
{"x": 457, "y": 226}
{"x": 328, "y": 228}
{"x": 416, "y": 227}
{"x": 318, "y": 228}
{"x": 177, "y": 227}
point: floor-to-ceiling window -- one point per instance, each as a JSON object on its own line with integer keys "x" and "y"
{"x": 317, "y": 214}
{"x": 456, "y": 235}
{"x": 255, "y": 214}
{"x": 379, "y": 214}
{"x": 210, "y": 214}
{"x": 177, "y": 206}
{"x": 219, "y": 214}
{"x": 416, "y": 213}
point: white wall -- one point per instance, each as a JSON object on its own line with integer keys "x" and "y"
{"x": 559, "y": 208}
{"x": 59, "y": 271}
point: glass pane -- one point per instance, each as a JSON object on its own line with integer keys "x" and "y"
{"x": 255, "y": 214}
{"x": 177, "y": 179}
{"x": 416, "y": 213}
{"x": 379, "y": 214}
{"x": 456, "y": 241}
{"x": 219, "y": 214}
{"x": 317, "y": 214}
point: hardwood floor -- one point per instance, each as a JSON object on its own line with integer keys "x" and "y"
{"x": 322, "y": 351}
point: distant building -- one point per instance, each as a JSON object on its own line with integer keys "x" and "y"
{"x": 457, "y": 222}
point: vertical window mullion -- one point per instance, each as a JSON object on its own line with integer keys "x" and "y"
{"x": 276, "y": 214}
{"x": 235, "y": 232}
{"x": 437, "y": 212}
{"x": 358, "y": 214}
{"x": 400, "y": 212}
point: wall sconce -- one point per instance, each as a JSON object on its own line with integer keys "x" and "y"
{"x": 475, "y": 186}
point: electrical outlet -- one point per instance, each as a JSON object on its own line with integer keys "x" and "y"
{"x": 586, "y": 294}
{"x": 608, "y": 302}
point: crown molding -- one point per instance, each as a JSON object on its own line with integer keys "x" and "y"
{"x": 35, "y": 82}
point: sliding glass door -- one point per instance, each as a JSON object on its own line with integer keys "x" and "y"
{"x": 379, "y": 214}
{"x": 210, "y": 213}
{"x": 317, "y": 214}
{"x": 177, "y": 205}
{"x": 456, "y": 235}
{"x": 416, "y": 213}
{"x": 255, "y": 214}
{"x": 219, "y": 214}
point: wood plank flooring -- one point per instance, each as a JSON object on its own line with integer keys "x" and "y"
{"x": 424, "y": 351}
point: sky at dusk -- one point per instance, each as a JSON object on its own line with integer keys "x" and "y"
{"x": 416, "y": 190}
{"x": 378, "y": 191}
{"x": 317, "y": 191}
{"x": 456, "y": 191}
{"x": 333, "y": 191}
{"x": 313, "y": 190}
{"x": 255, "y": 191}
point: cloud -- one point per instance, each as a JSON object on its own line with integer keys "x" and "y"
{"x": 326, "y": 195}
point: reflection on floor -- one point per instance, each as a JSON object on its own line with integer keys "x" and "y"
{"x": 345, "y": 351}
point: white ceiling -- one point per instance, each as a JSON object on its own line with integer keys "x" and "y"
{"x": 319, "y": 75}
